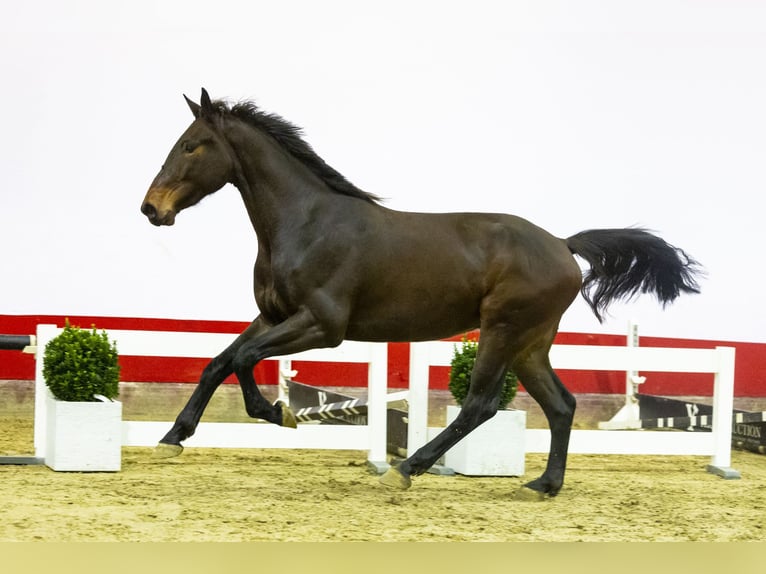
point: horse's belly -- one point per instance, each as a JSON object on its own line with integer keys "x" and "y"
{"x": 424, "y": 320}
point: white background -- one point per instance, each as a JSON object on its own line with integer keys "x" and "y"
{"x": 571, "y": 114}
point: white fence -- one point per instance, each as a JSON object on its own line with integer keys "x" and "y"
{"x": 370, "y": 437}
{"x": 717, "y": 444}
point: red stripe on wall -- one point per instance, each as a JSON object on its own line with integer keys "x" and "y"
{"x": 750, "y": 377}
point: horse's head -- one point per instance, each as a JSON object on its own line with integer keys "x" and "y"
{"x": 199, "y": 164}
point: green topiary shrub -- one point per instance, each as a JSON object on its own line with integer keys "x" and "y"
{"x": 463, "y": 360}
{"x": 79, "y": 364}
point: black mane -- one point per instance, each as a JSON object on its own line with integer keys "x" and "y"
{"x": 289, "y": 137}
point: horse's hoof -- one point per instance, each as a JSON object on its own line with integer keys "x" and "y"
{"x": 288, "y": 417}
{"x": 395, "y": 479}
{"x": 529, "y": 495}
{"x": 165, "y": 450}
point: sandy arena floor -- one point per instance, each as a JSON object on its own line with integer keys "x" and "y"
{"x": 295, "y": 495}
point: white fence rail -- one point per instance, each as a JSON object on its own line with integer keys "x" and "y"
{"x": 370, "y": 437}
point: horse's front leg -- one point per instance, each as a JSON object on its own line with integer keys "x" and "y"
{"x": 213, "y": 375}
{"x": 297, "y": 333}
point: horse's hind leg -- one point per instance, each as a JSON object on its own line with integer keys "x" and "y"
{"x": 558, "y": 404}
{"x": 533, "y": 369}
{"x": 481, "y": 404}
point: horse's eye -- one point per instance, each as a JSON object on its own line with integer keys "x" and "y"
{"x": 189, "y": 146}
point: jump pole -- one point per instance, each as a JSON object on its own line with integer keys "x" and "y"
{"x": 23, "y": 343}
{"x": 698, "y": 421}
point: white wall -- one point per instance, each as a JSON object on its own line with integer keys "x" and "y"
{"x": 572, "y": 114}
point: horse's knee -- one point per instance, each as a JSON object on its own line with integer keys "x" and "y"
{"x": 243, "y": 363}
{"x": 572, "y": 402}
{"x": 569, "y": 404}
{"x": 214, "y": 373}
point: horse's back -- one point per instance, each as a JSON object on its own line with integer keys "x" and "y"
{"x": 526, "y": 264}
{"x": 491, "y": 244}
{"x": 427, "y": 276}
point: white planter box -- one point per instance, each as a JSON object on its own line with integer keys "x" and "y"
{"x": 495, "y": 448}
{"x": 83, "y": 436}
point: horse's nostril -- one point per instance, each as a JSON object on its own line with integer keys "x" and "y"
{"x": 149, "y": 210}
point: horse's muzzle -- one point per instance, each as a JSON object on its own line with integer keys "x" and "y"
{"x": 167, "y": 217}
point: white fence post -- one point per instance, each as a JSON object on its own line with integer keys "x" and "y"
{"x": 284, "y": 373}
{"x": 417, "y": 398}
{"x": 723, "y": 409}
{"x": 44, "y": 334}
{"x": 422, "y": 356}
{"x": 377, "y": 386}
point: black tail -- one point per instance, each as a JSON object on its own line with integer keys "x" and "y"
{"x": 625, "y": 262}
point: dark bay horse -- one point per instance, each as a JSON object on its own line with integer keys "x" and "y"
{"x": 334, "y": 264}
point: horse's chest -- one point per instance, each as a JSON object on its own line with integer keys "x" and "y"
{"x": 274, "y": 294}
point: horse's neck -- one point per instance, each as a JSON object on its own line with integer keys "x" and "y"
{"x": 279, "y": 192}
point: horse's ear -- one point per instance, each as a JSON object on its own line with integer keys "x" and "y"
{"x": 195, "y": 108}
{"x": 206, "y": 106}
